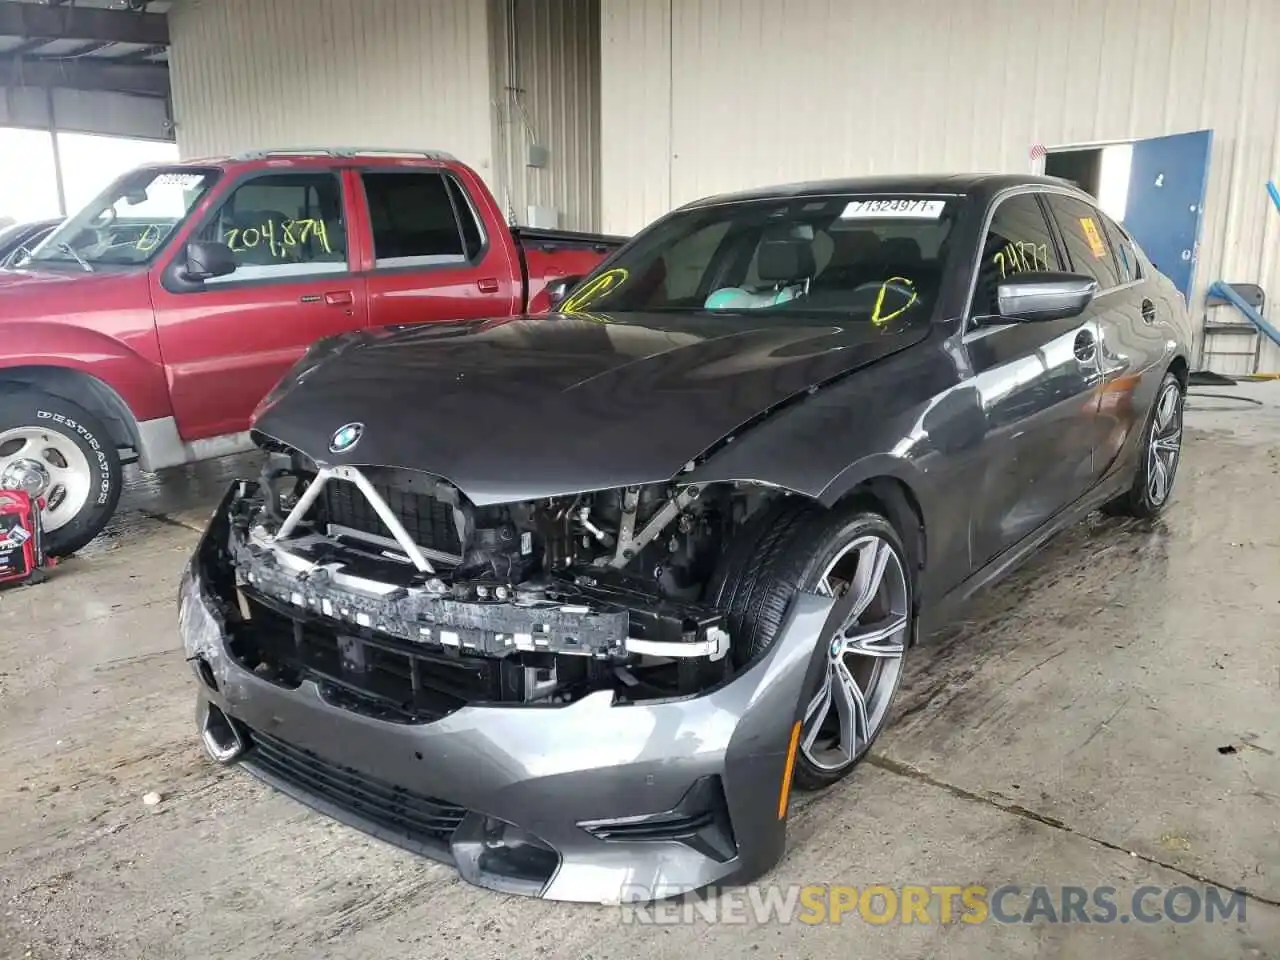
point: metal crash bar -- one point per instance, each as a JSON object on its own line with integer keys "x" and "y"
{"x": 384, "y": 512}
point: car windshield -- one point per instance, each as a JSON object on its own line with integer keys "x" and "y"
{"x": 874, "y": 258}
{"x": 129, "y": 221}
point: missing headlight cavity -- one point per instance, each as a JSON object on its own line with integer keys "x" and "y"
{"x": 401, "y": 599}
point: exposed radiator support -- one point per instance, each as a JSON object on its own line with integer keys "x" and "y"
{"x": 384, "y": 512}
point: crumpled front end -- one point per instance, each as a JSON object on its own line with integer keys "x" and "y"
{"x": 526, "y": 738}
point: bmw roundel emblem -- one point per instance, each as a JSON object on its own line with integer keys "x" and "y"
{"x": 346, "y": 437}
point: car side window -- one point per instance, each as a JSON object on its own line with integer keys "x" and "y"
{"x": 1127, "y": 262}
{"x": 282, "y": 225}
{"x": 420, "y": 219}
{"x": 1018, "y": 241}
{"x": 1086, "y": 239}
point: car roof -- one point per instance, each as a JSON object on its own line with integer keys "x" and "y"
{"x": 954, "y": 184}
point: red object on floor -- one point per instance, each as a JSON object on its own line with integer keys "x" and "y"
{"x": 22, "y": 557}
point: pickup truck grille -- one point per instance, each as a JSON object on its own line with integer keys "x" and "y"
{"x": 428, "y": 521}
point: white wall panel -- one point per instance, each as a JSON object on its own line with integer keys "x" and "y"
{"x": 702, "y": 96}
{"x": 287, "y": 73}
{"x": 546, "y": 61}
{"x": 635, "y": 111}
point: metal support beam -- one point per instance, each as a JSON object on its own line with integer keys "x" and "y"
{"x": 57, "y": 152}
{"x": 82, "y": 23}
{"x": 92, "y": 46}
{"x": 26, "y": 46}
{"x": 142, "y": 56}
{"x": 151, "y": 80}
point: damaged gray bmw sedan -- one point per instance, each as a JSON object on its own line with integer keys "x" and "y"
{"x": 572, "y": 601}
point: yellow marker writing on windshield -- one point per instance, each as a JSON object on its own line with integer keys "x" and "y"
{"x": 150, "y": 237}
{"x": 606, "y": 282}
{"x": 876, "y": 316}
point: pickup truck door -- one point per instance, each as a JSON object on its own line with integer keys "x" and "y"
{"x": 435, "y": 253}
{"x": 226, "y": 342}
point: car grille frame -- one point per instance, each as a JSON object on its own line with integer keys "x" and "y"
{"x": 356, "y": 669}
{"x": 427, "y": 520}
{"x": 395, "y": 814}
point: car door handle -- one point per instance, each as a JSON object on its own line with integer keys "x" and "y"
{"x": 1085, "y": 347}
{"x": 339, "y": 298}
{"x": 488, "y": 285}
{"x": 1148, "y": 311}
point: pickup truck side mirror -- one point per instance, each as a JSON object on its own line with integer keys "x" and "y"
{"x": 207, "y": 259}
{"x": 559, "y": 288}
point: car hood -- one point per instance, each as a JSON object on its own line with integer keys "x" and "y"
{"x": 531, "y": 407}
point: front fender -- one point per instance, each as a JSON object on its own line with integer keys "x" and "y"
{"x": 136, "y": 378}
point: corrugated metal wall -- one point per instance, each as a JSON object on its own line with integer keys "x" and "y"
{"x": 397, "y": 73}
{"x": 546, "y": 78}
{"x": 701, "y": 96}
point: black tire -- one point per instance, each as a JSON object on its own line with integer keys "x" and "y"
{"x": 56, "y": 415}
{"x": 1140, "y": 500}
{"x": 783, "y": 551}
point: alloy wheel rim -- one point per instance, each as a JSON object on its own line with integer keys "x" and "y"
{"x": 1165, "y": 446}
{"x": 864, "y": 658}
{"x": 49, "y": 465}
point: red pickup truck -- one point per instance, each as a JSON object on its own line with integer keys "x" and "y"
{"x": 149, "y": 325}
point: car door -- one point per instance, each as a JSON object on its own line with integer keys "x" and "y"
{"x": 431, "y": 258}
{"x": 1129, "y": 337}
{"x": 228, "y": 340}
{"x": 1038, "y": 385}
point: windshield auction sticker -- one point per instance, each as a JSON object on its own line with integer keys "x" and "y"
{"x": 887, "y": 209}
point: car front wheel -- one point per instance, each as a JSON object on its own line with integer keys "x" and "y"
{"x": 55, "y": 449}
{"x": 855, "y": 549}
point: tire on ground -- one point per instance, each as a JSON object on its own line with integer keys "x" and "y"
{"x": 29, "y": 407}
{"x": 784, "y": 550}
{"x": 1136, "y": 501}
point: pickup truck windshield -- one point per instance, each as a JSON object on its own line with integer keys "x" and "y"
{"x": 129, "y": 221}
{"x": 873, "y": 258}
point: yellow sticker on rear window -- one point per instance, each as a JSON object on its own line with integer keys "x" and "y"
{"x": 1091, "y": 233}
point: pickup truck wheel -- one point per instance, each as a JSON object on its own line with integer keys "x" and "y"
{"x": 53, "y": 448}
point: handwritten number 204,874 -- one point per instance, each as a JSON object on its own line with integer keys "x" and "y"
{"x": 293, "y": 233}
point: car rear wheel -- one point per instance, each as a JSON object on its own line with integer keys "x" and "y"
{"x": 1160, "y": 456}
{"x": 796, "y": 547}
{"x": 55, "y": 449}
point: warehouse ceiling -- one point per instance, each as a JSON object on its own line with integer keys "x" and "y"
{"x": 115, "y": 45}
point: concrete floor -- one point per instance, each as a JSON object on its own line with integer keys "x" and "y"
{"x": 1069, "y": 732}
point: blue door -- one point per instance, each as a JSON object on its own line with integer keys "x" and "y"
{"x": 1166, "y": 201}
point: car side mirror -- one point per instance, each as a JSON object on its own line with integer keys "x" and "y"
{"x": 1047, "y": 295}
{"x": 207, "y": 259}
{"x": 558, "y": 289}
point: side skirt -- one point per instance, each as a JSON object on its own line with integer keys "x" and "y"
{"x": 160, "y": 445}
{"x": 936, "y": 616}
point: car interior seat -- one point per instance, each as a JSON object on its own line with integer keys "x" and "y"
{"x": 785, "y": 265}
